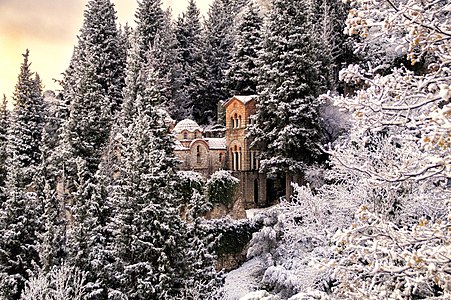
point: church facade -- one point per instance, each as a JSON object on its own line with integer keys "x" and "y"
{"x": 210, "y": 149}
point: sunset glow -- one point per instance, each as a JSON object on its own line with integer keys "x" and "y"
{"x": 49, "y": 28}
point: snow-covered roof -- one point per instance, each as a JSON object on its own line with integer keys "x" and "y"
{"x": 178, "y": 146}
{"x": 242, "y": 99}
{"x": 188, "y": 125}
{"x": 214, "y": 128}
{"x": 246, "y": 99}
{"x": 216, "y": 143}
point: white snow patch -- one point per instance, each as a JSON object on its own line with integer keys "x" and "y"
{"x": 243, "y": 280}
{"x": 250, "y": 213}
{"x": 260, "y": 295}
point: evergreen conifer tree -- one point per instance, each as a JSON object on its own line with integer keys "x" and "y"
{"x": 243, "y": 71}
{"x": 147, "y": 229}
{"x": 93, "y": 87}
{"x": 218, "y": 43}
{"x": 149, "y": 21}
{"x": 192, "y": 67}
{"x": 286, "y": 128}
{"x": 19, "y": 213}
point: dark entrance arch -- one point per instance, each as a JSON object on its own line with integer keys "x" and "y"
{"x": 275, "y": 188}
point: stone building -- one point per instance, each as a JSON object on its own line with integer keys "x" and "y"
{"x": 256, "y": 190}
{"x": 215, "y": 147}
{"x": 197, "y": 152}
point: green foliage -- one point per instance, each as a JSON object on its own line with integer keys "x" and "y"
{"x": 287, "y": 124}
{"x": 221, "y": 187}
{"x": 187, "y": 184}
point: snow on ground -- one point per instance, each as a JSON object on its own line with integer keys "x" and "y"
{"x": 250, "y": 213}
{"x": 243, "y": 280}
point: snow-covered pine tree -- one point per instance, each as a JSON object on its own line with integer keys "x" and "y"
{"x": 98, "y": 49}
{"x": 93, "y": 88}
{"x": 149, "y": 21}
{"x": 19, "y": 213}
{"x": 286, "y": 126}
{"x": 166, "y": 59}
{"x": 218, "y": 43}
{"x": 327, "y": 19}
{"x": 86, "y": 134}
{"x": 147, "y": 229}
{"x": 243, "y": 71}
{"x": 27, "y": 121}
{"x": 4, "y": 124}
{"x": 192, "y": 67}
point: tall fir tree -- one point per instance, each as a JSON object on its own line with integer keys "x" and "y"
{"x": 192, "y": 67}
{"x": 147, "y": 229}
{"x": 19, "y": 213}
{"x": 217, "y": 43}
{"x": 149, "y": 21}
{"x": 243, "y": 71}
{"x": 93, "y": 89}
{"x": 286, "y": 126}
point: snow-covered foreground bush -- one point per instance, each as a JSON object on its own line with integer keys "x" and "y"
{"x": 377, "y": 259}
{"x": 60, "y": 283}
{"x": 221, "y": 187}
{"x": 294, "y": 239}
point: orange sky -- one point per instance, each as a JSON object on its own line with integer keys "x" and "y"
{"x": 48, "y": 28}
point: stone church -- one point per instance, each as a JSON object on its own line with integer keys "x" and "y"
{"x": 206, "y": 150}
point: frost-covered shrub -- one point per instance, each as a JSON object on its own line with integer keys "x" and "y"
{"x": 295, "y": 237}
{"x": 376, "y": 259}
{"x": 187, "y": 183}
{"x": 221, "y": 187}
{"x": 60, "y": 283}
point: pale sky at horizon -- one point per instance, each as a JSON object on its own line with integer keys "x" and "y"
{"x": 48, "y": 28}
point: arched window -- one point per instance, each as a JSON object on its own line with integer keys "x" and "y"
{"x": 235, "y": 121}
{"x": 198, "y": 155}
{"x": 220, "y": 157}
{"x": 185, "y": 135}
{"x": 239, "y": 122}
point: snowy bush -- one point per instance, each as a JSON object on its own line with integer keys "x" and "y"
{"x": 296, "y": 236}
{"x": 188, "y": 182}
{"x": 377, "y": 259}
{"x": 221, "y": 187}
{"x": 61, "y": 283}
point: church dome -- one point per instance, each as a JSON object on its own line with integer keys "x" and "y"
{"x": 188, "y": 125}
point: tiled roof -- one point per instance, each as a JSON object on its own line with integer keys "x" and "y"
{"x": 216, "y": 143}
